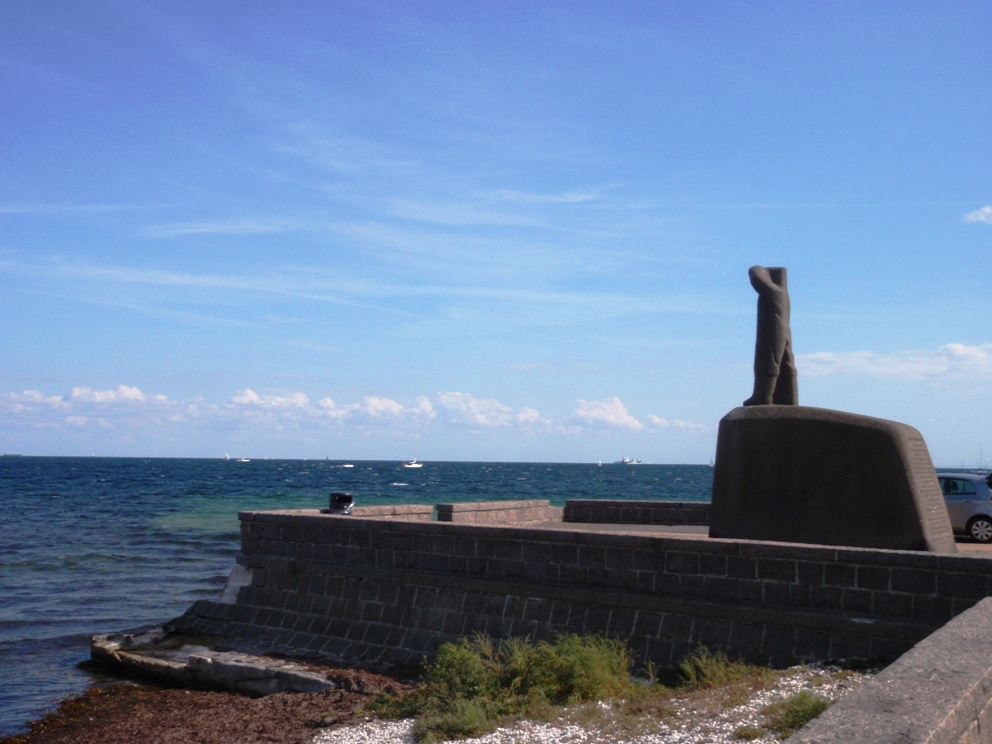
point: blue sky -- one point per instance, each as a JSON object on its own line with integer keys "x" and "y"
{"x": 515, "y": 231}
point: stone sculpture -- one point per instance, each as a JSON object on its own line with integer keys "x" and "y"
{"x": 774, "y": 366}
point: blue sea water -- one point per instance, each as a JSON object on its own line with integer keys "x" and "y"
{"x": 94, "y": 545}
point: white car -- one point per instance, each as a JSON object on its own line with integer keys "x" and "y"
{"x": 969, "y": 504}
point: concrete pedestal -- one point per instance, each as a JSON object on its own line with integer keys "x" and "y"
{"x": 811, "y": 475}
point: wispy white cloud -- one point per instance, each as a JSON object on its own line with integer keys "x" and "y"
{"x": 349, "y": 156}
{"x": 948, "y": 361}
{"x": 72, "y": 208}
{"x": 306, "y": 283}
{"x": 610, "y": 413}
{"x": 239, "y": 227}
{"x": 310, "y": 346}
{"x": 522, "y": 197}
{"x": 460, "y": 214}
{"x": 660, "y": 422}
{"x": 296, "y": 284}
{"x": 980, "y": 215}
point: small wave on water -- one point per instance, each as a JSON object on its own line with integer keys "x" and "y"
{"x": 96, "y": 545}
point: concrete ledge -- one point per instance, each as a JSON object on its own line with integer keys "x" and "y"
{"x": 615, "y": 511}
{"x": 408, "y": 512}
{"x": 300, "y": 519}
{"x": 939, "y": 692}
{"x": 499, "y": 512}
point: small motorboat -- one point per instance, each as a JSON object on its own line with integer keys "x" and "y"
{"x": 243, "y": 459}
{"x": 413, "y": 464}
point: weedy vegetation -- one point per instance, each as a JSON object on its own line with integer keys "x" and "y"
{"x": 790, "y": 715}
{"x": 749, "y": 733}
{"x": 475, "y": 686}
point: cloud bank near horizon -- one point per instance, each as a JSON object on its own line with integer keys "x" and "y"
{"x": 129, "y": 412}
{"x": 128, "y": 408}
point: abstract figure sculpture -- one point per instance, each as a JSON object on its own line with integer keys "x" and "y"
{"x": 774, "y": 366}
{"x": 792, "y": 473}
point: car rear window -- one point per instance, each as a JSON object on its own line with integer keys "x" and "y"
{"x": 956, "y": 486}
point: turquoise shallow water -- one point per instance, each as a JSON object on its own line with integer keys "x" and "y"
{"x": 93, "y": 545}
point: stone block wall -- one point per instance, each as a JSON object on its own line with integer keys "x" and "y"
{"x": 390, "y": 591}
{"x": 614, "y": 511}
{"x": 499, "y": 512}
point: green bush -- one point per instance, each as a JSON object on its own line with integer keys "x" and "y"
{"x": 472, "y": 687}
{"x": 461, "y": 670}
{"x": 572, "y": 669}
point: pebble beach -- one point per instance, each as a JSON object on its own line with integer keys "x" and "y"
{"x": 688, "y": 727}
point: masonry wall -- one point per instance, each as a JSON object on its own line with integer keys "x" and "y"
{"x": 389, "y": 591}
{"x": 616, "y": 511}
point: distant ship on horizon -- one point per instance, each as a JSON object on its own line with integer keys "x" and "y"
{"x": 628, "y": 461}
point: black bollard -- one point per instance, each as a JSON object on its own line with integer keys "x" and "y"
{"x": 341, "y": 502}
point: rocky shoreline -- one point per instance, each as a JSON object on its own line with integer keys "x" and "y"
{"x": 126, "y": 713}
